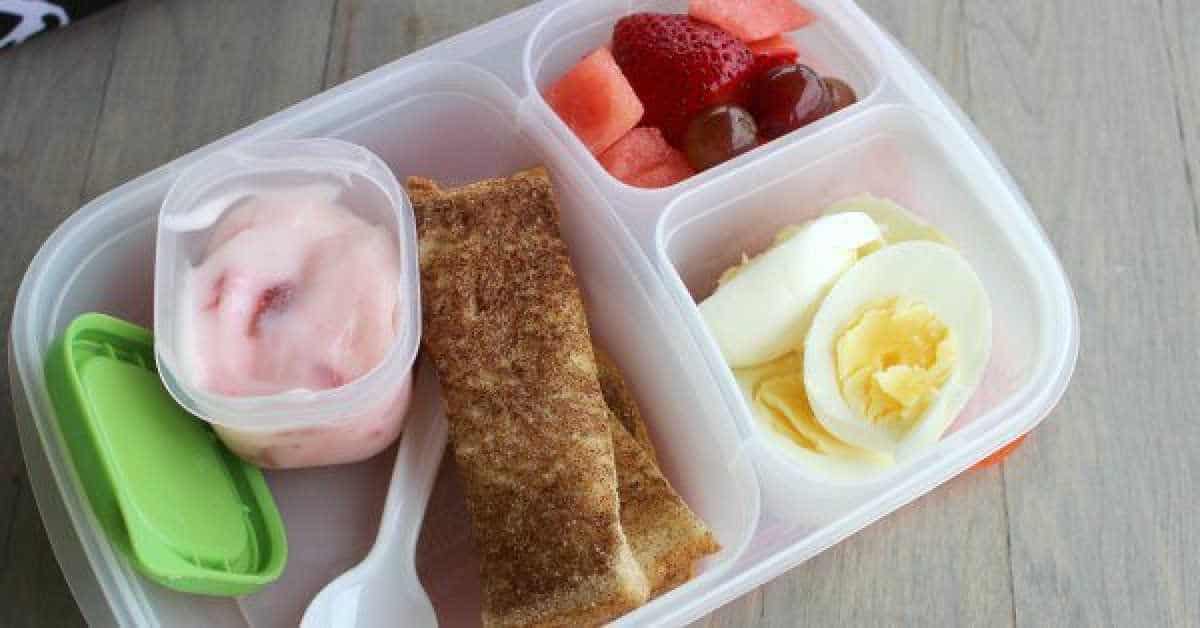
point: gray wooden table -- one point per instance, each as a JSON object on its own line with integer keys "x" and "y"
{"x": 1094, "y": 106}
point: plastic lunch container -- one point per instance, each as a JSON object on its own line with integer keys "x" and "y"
{"x": 469, "y": 108}
{"x": 299, "y": 427}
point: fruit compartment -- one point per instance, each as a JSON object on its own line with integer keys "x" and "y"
{"x": 901, "y": 153}
{"x": 455, "y": 123}
{"x": 576, "y": 28}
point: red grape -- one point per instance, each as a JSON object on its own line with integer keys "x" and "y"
{"x": 789, "y": 97}
{"x": 842, "y": 94}
{"x": 719, "y": 134}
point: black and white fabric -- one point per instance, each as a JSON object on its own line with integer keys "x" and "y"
{"x": 22, "y": 19}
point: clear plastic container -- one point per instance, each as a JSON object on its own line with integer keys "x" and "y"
{"x": 294, "y": 428}
{"x": 468, "y": 108}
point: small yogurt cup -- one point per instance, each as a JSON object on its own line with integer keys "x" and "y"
{"x": 300, "y": 427}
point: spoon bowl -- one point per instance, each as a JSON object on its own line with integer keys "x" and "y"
{"x": 383, "y": 590}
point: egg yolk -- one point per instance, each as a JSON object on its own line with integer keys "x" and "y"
{"x": 777, "y": 387}
{"x": 892, "y": 360}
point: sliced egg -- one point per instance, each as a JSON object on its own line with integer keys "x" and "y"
{"x": 762, "y": 308}
{"x": 896, "y": 223}
{"x": 897, "y": 348}
{"x": 776, "y": 394}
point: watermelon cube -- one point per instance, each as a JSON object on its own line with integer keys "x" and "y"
{"x": 644, "y": 158}
{"x": 752, "y": 20}
{"x": 596, "y": 101}
{"x": 776, "y": 46}
{"x": 640, "y": 149}
{"x": 772, "y": 52}
{"x": 670, "y": 172}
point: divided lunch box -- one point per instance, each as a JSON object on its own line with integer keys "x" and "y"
{"x": 469, "y": 108}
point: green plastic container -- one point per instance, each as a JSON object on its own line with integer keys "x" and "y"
{"x": 186, "y": 512}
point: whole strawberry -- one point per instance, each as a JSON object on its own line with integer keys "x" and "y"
{"x": 679, "y": 67}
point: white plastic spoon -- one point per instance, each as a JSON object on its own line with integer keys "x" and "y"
{"x": 383, "y": 590}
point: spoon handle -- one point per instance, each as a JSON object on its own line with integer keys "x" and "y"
{"x": 417, "y": 462}
{"x": 385, "y": 584}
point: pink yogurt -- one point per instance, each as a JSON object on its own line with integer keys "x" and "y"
{"x": 294, "y": 292}
{"x": 348, "y": 440}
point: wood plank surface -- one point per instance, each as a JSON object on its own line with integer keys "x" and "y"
{"x": 197, "y": 70}
{"x": 1094, "y": 107}
{"x": 369, "y": 33}
{"x": 1082, "y": 100}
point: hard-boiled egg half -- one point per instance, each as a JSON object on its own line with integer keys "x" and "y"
{"x": 857, "y": 338}
{"x": 898, "y": 347}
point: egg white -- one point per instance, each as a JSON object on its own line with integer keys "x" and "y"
{"x": 897, "y": 223}
{"x": 762, "y": 312}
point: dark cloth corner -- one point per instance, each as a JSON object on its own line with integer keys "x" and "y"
{"x": 22, "y": 19}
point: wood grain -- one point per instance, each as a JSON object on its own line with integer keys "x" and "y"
{"x": 369, "y": 33}
{"x": 1081, "y": 101}
{"x": 199, "y": 69}
{"x": 1181, "y": 32}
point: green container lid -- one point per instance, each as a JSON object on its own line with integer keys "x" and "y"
{"x": 188, "y": 513}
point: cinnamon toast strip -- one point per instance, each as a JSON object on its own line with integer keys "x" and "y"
{"x": 621, "y": 402}
{"x": 667, "y": 538}
{"x": 505, "y": 327}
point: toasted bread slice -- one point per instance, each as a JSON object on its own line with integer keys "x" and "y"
{"x": 667, "y": 537}
{"x": 505, "y": 326}
{"x": 620, "y": 400}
